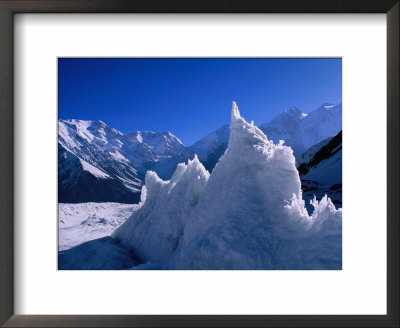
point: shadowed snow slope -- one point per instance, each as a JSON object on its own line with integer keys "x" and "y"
{"x": 79, "y": 181}
{"x": 310, "y": 152}
{"x": 321, "y": 170}
{"x": 325, "y": 167}
{"x": 99, "y": 254}
{"x": 251, "y": 214}
{"x": 153, "y": 231}
{"x": 211, "y": 142}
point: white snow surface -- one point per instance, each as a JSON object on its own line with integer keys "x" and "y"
{"x": 78, "y": 223}
{"x": 322, "y": 123}
{"x": 300, "y": 130}
{"x": 93, "y": 170}
{"x": 248, "y": 214}
{"x": 163, "y": 144}
{"x": 153, "y": 231}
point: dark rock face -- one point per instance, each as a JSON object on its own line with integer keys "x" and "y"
{"x": 318, "y": 187}
{"x": 334, "y": 146}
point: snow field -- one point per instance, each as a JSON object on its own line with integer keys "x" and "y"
{"x": 78, "y": 223}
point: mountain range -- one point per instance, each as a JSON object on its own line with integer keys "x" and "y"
{"x": 247, "y": 214}
{"x": 299, "y": 130}
{"x": 98, "y": 163}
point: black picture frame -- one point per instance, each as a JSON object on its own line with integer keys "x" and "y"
{"x": 10, "y": 7}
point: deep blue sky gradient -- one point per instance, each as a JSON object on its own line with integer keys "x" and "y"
{"x": 191, "y": 97}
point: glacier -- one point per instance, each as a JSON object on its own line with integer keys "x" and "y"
{"x": 248, "y": 214}
{"x": 79, "y": 223}
{"x": 153, "y": 231}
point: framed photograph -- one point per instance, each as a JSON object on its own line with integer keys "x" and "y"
{"x": 156, "y": 201}
{"x": 182, "y": 163}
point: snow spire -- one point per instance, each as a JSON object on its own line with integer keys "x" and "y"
{"x": 235, "y": 114}
{"x": 154, "y": 230}
{"x": 195, "y": 159}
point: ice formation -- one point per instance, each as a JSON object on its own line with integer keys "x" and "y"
{"x": 153, "y": 231}
{"x": 249, "y": 214}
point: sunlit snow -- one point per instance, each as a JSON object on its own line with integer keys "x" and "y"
{"x": 250, "y": 215}
{"x": 94, "y": 170}
{"x": 78, "y": 223}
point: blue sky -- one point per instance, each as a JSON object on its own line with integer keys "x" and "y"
{"x": 192, "y": 97}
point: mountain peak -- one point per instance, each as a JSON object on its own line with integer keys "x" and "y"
{"x": 235, "y": 114}
{"x": 253, "y": 195}
{"x": 294, "y": 111}
{"x": 243, "y": 133}
{"x": 326, "y": 106}
{"x": 83, "y": 122}
{"x": 171, "y": 135}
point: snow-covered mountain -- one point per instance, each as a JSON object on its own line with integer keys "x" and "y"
{"x": 99, "y": 163}
{"x": 322, "y": 123}
{"x": 325, "y": 167}
{"x": 160, "y": 152}
{"x": 95, "y": 159}
{"x": 211, "y": 142}
{"x": 310, "y": 152}
{"x": 321, "y": 173}
{"x": 79, "y": 181}
{"x": 287, "y": 126}
{"x": 299, "y": 130}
